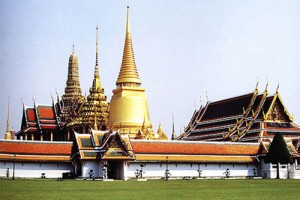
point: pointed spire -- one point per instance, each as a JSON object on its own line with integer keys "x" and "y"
{"x": 128, "y": 22}
{"x": 73, "y": 49}
{"x": 96, "y": 81}
{"x": 8, "y": 118}
{"x": 8, "y": 134}
{"x": 128, "y": 72}
{"x": 173, "y": 129}
{"x": 97, "y": 46}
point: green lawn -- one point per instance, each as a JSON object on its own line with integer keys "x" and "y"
{"x": 154, "y": 189}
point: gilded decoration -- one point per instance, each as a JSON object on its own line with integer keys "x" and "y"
{"x": 277, "y": 113}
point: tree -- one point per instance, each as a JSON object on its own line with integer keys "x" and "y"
{"x": 278, "y": 152}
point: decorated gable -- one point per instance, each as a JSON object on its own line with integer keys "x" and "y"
{"x": 104, "y": 145}
{"x": 277, "y": 111}
{"x": 118, "y": 148}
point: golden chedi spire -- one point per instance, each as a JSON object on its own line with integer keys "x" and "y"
{"x": 8, "y": 133}
{"x": 94, "y": 112}
{"x": 128, "y": 107}
{"x": 128, "y": 72}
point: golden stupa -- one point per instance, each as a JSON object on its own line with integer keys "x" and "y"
{"x": 129, "y": 108}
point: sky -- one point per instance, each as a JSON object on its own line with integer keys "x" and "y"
{"x": 183, "y": 51}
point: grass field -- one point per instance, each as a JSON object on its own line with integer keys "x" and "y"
{"x": 153, "y": 189}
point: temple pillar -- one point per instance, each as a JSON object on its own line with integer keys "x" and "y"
{"x": 41, "y": 137}
{"x": 32, "y": 136}
{"x": 25, "y": 136}
{"x": 51, "y": 136}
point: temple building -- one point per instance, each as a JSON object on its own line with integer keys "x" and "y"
{"x": 129, "y": 108}
{"x": 252, "y": 117}
{"x": 93, "y": 112}
{"x": 226, "y": 138}
{"x": 73, "y": 93}
{"x": 41, "y": 122}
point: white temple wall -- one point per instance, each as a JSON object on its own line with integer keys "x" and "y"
{"x": 87, "y": 166}
{"x": 157, "y": 170}
{"x": 268, "y": 170}
{"x": 35, "y": 170}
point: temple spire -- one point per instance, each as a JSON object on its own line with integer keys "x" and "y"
{"x": 7, "y": 133}
{"x": 173, "y": 129}
{"x": 128, "y": 22}
{"x": 128, "y": 73}
{"x": 96, "y": 81}
{"x": 97, "y": 46}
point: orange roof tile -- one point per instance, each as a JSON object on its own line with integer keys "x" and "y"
{"x": 35, "y": 147}
{"x": 46, "y": 112}
{"x": 196, "y": 158}
{"x": 30, "y": 114}
{"x": 194, "y": 148}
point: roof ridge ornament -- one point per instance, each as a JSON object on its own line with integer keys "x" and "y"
{"x": 206, "y": 94}
{"x": 277, "y": 86}
{"x": 257, "y": 83}
{"x": 266, "y": 88}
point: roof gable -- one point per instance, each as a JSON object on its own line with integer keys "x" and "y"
{"x": 277, "y": 111}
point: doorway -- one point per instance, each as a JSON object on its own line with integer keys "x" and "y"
{"x": 115, "y": 170}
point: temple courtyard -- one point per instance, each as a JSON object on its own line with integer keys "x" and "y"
{"x": 151, "y": 189}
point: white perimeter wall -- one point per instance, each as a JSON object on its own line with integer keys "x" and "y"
{"x": 92, "y": 165}
{"x": 157, "y": 170}
{"x": 35, "y": 170}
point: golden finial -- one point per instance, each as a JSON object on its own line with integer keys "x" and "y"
{"x": 128, "y": 21}
{"x": 73, "y": 51}
{"x": 257, "y": 83}
{"x": 97, "y": 46}
{"x": 8, "y": 117}
{"x": 266, "y": 89}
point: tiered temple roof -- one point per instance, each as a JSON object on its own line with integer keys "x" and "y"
{"x": 40, "y": 122}
{"x": 248, "y": 118}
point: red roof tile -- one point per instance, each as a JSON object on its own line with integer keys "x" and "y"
{"x": 194, "y": 148}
